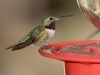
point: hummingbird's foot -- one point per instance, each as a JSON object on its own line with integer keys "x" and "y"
{"x": 52, "y": 48}
{"x": 46, "y": 47}
{"x": 49, "y": 46}
{"x": 43, "y": 46}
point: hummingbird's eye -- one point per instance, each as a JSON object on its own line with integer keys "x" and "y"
{"x": 51, "y": 18}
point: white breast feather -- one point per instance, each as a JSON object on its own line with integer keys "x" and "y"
{"x": 50, "y": 32}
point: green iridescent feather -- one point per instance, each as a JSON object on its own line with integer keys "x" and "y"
{"x": 37, "y": 31}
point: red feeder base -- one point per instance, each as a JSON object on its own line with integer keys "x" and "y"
{"x": 80, "y": 57}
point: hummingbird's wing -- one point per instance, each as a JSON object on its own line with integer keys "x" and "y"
{"x": 30, "y": 38}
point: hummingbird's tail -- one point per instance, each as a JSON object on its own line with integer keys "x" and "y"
{"x": 19, "y": 45}
{"x": 10, "y": 47}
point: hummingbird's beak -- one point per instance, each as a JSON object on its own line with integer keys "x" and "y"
{"x": 66, "y": 16}
{"x": 58, "y": 18}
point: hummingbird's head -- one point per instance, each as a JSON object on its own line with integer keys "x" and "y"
{"x": 50, "y": 21}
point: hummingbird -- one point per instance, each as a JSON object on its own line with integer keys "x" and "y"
{"x": 40, "y": 35}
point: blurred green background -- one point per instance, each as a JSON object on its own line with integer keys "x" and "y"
{"x": 18, "y": 17}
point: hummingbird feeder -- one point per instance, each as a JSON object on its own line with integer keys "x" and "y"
{"x": 80, "y": 57}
